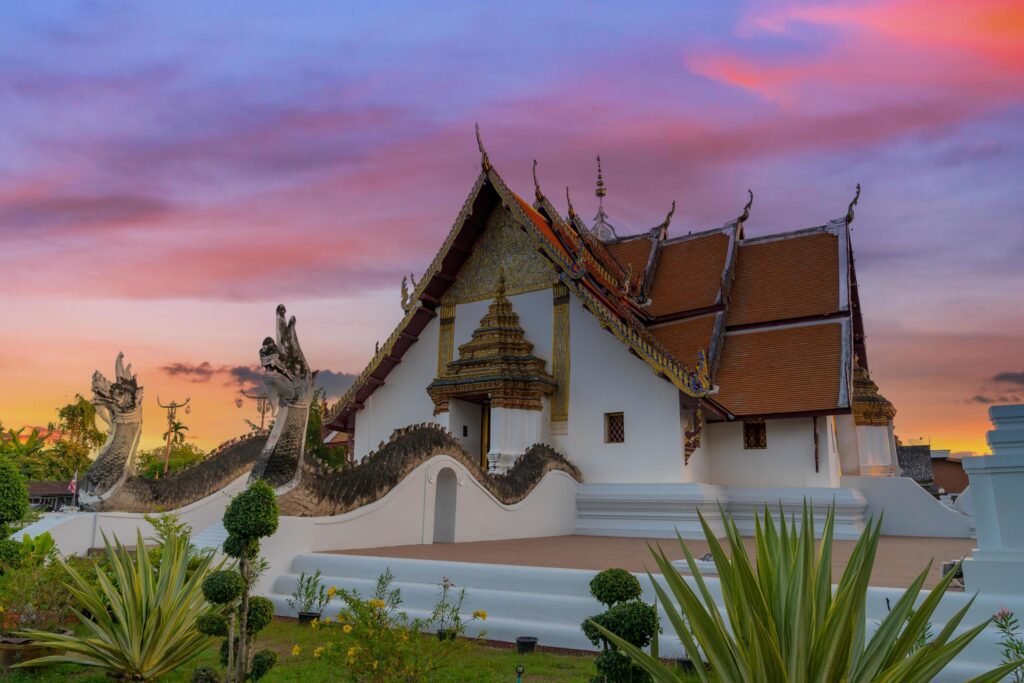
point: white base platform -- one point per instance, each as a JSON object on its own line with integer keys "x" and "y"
{"x": 660, "y": 510}
{"x": 550, "y": 603}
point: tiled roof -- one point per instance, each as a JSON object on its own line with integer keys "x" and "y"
{"x": 632, "y": 251}
{"x": 785, "y": 278}
{"x": 688, "y": 274}
{"x": 685, "y": 338}
{"x": 781, "y": 370}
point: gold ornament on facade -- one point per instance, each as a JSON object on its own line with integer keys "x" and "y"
{"x": 869, "y": 407}
{"x": 496, "y": 365}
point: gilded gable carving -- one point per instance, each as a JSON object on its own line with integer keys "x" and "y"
{"x": 503, "y": 246}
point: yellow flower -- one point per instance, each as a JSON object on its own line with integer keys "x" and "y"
{"x": 379, "y": 604}
{"x": 314, "y": 623}
{"x": 296, "y": 651}
{"x": 327, "y": 620}
{"x": 317, "y": 652}
{"x": 332, "y": 591}
{"x": 480, "y": 614}
{"x": 346, "y": 628}
{"x": 375, "y": 665}
{"x": 352, "y": 653}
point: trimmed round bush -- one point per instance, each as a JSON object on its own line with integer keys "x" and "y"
{"x": 205, "y": 674}
{"x": 236, "y": 546}
{"x": 212, "y": 624}
{"x": 634, "y": 620}
{"x": 614, "y": 585}
{"x": 253, "y": 513}
{"x": 13, "y": 493}
{"x": 223, "y": 587}
{"x": 262, "y": 662}
{"x": 261, "y": 611}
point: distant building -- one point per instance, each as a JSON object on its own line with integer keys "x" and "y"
{"x": 916, "y": 462}
{"x": 51, "y": 495}
{"x": 948, "y": 471}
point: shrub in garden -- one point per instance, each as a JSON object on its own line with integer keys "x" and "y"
{"x": 447, "y": 614}
{"x": 628, "y": 617}
{"x": 13, "y": 496}
{"x": 252, "y": 515}
{"x": 1010, "y": 641}
{"x": 784, "y": 622}
{"x": 310, "y": 595}
{"x": 374, "y": 642}
{"x": 143, "y": 623}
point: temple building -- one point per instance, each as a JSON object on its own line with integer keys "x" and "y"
{"x": 707, "y": 357}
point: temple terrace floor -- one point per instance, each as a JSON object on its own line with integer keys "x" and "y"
{"x": 898, "y": 561}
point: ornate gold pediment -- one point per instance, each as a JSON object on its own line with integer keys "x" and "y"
{"x": 503, "y": 247}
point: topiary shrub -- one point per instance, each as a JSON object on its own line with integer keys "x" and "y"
{"x": 223, "y": 587}
{"x": 13, "y": 495}
{"x": 205, "y": 674}
{"x": 213, "y": 624}
{"x": 261, "y": 611}
{"x": 627, "y": 617}
{"x": 251, "y": 515}
{"x": 262, "y": 662}
{"x": 613, "y": 586}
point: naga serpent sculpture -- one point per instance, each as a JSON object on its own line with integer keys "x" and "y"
{"x": 111, "y": 482}
{"x": 305, "y": 487}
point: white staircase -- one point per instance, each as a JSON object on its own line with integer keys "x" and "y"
{"x": 212, "y": 537}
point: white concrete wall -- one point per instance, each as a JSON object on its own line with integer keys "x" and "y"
{"x": 463, "y": 421}
{"x": 787, "y": 461}
{"x": 75, "y": 533}
{"x": 405, "y": 516}
{"x": 606, "y": 378}
{"x": 403, "y": 399}
{"x": 849, "y": 450}
{"x": 909, "y": 509}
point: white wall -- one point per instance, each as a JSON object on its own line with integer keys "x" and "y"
{"x": 463, "y": 414}
{"x": 787, "y": 461}
{"x": 403, "y": 399}
{"x": 606, "y": 378}
{"x": 909, "y": 509}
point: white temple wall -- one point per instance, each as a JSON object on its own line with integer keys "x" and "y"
{"x": 606, "y": 378}
{"x": 849, "y": 451}
{"x": 403, "y": 399}
{"x": 698, "y": 470}
{"x": 787, "y": 461}
{"x": 535, "y": 316}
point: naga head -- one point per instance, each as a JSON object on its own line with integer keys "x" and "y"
{"x": 285, "y": 371}
{"x": 121, "y": 398}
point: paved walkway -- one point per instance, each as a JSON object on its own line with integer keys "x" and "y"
{"x": 899, "y": 558}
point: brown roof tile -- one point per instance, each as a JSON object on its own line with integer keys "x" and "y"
{"x": 633, "y": 251}
{"x": 788, "y": 370}
{"x": 688, "y": 274}
{"x": 685, "y": 338}
{"x": 792, "y": 277}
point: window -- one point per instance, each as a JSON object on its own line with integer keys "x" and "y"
{"x": 614, "y": 428}
{"x": 755, "y": 435}
{"x": 465, "y": 430}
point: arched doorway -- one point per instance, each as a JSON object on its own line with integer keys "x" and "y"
{"x": 444, "y": 506}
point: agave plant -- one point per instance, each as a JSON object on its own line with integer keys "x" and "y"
{"x": 785, "y": 622}
{"x": 143, "y": 620}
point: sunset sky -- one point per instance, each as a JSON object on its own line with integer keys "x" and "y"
{"x": 170, "y": 172}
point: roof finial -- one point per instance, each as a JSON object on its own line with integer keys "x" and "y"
{"x": 536, "y": 185}
{"x": 601, "y": 190}
{"x": 746, "y": 209}
{"x": 572, "y": 211}
{"x": 484, "y": 161}
{"x": 501, "y": 284}
{"x": 849, "y": 211}
{"x": 671, "y": 212}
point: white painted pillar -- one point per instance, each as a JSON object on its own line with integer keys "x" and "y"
{"x": 997, "y": 483}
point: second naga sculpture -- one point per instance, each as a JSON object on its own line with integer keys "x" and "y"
{"x": 111, "y": 483}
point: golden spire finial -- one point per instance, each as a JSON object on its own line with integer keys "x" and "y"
{"x": 485, "y": 163}
{"x": 501, "y": 283}
{"x": 572, "y": 211}
{"x": 536, "y": 185}
{"x": 746, "y": 209}
{"x": 849, "y": 210}
{"x": 601, "y": 190}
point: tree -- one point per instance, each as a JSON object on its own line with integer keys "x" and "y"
{"x": 315, "y": 447}
{"x": 150, "y": 463}
{"x": 77, "y": 424}
{"x": 13, "y": 495}
{"x": 12, "y": 444}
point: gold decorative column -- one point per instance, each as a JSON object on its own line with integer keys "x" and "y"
{"x": 446, "y": 338}
{"x": 560, "y": 359}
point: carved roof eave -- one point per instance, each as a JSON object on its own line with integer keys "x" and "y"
{"x": 618, "y": 318}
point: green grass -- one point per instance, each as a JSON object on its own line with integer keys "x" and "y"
{"x": 473, "y": 663}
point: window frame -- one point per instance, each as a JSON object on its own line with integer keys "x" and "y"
{"x": 760, "y": 443}
{"x": 608, "y": 427}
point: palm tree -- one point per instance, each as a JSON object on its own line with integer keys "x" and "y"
{"x": 175, "y": 434}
